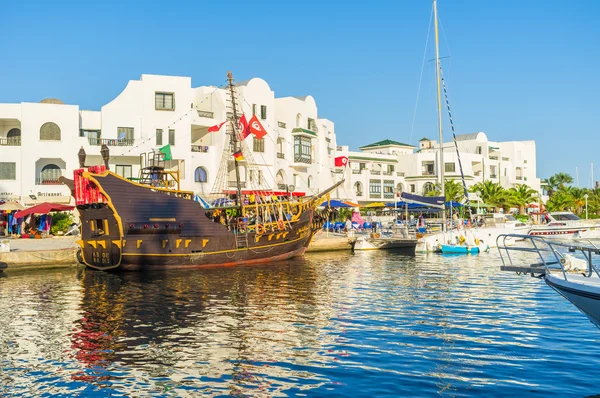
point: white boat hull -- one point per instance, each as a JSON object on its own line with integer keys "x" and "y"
{"x": 581, "y": 291}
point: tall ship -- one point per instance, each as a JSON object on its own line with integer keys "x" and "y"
{"x": 150, "y": 223}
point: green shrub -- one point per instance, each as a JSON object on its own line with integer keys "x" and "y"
{"x": 61, "y": 222}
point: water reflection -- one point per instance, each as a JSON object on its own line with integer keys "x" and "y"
{"x": 366, "y": 324}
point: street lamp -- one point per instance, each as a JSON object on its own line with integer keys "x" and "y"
{"x": 586, "y": 196}
{"x": 104, "y": 151}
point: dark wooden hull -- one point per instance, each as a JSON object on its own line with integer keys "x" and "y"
{"x": 140, "y": 228}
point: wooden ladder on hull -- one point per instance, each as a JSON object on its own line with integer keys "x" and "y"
{"x": 241, "y": 240}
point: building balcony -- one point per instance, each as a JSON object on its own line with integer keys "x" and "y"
{"x": 10, "y": 141}
{"x": 477, "y": 173}
{"x": 338, "y": 171}
{"x": 359, "y": 193}
{"x": 356, "y": 171}
{"x": 111, "y": 141}
{"x": 302, "y": 159}
{"x": 375, "y": 195}
{"x": 400, "y": 173}
{"x": 387, "y": 173}
{"x": 328, "y": 140}
{"x": 375, "y": 172}
{"x": 281, "y": 124}
{"x": 280, "y": 155}
{"x": 388, "y": 195}
{"x": 427, "y": 173}
{"x": 43, "y": 181}
{"x": 519, "y": 177}
{"x": 493, "y": 157}
{"x": 199, "y": 148}
{"x": 493, "y": 176}
{"x": 206, "y": 114}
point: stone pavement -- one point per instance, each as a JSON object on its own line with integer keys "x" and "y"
{"x": 54, "y": 243}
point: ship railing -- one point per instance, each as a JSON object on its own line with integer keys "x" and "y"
{"x": 516, "y": 251}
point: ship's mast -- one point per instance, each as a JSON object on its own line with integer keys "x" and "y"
{"x": 439, "y": 100}
{"x": 234, "y": 141}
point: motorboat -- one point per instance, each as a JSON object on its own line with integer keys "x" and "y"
{"x": 571, "y": 270}
{"x": 566, "y": 225}
{"x": 400, "y": 239}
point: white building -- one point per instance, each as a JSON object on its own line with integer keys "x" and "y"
{"x": 39, "y": 142}
{"x": 382, "y": 168}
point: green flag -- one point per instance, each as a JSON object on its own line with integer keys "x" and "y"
{"x": 166, "y": 150}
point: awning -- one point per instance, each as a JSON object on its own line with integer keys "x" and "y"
{"x": 11, "y": 206}
{"x": 375, "y": 204}
{"x": 431, "y": 201}
{"x": 335, "y": 203}
{"x": 43, "y": 208}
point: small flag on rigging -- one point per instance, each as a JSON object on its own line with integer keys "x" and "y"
{"x": 341, "y": 161}
{"x": 239, "y": 156}
{"x": 216, "y": 127}
{"x": 257, "y": 128}
{"x": 166, "y": 151}
{"x": 244, "y": 128}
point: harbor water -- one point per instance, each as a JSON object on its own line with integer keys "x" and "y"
{"x": 368, "y": 324}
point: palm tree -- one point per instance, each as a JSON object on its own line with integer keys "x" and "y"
{"x": 559, "y": 202}
{"x": 523, "y": 195}
{"x": 558, "y": 181}
{"x": 577, "y": 197}
{"x": 491, "y": 193}
{"x": 453, "y": 191}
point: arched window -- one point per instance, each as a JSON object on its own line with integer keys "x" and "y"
{"x": 50, "y": 173}
{"x": 428, "y": 187}
{"x": 298, "y": 120}
{"x": 358, "y": 189}
{"x": 14, "y": 135}
{"x": 400, "y": 187}
{"x": 309, "y": 181}
{"x": 50, "y": 132}
{"x": 200, "y": 175}
{"x": 279, "y": 177}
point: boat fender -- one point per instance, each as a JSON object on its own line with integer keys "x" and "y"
{"x": 280, "y": 224}
{"x": 477, "y": 241}
{"x": 461, "y": 239}
{"x": 260, "y": 229}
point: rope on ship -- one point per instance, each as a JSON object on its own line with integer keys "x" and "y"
{"x": 462, "y": 175}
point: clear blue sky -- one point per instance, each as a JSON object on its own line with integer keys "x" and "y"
{"x": 517, "y": 69}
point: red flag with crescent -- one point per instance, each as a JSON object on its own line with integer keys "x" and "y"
{"x": 244, "y": 128}
{"x": 257, "y": 128}
{"x": 341, "y": 161}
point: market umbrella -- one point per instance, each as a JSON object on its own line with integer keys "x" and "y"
{"x": 43, "y": 208}
{"x": 335, "y": 203}
{"x": 351, "y": 203}
{"x": 375, "y": 204}
{"x": 11, "y": 206}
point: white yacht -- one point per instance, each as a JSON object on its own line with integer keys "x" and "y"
{"x": 566, "y": 225}
{"x": 576, "y": 277}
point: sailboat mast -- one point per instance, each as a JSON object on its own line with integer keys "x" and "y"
{"x": 234, "y": 141}
{"x": 439, "y": 109}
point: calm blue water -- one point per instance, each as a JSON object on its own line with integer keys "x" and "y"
{"x": 337, "y": 324}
